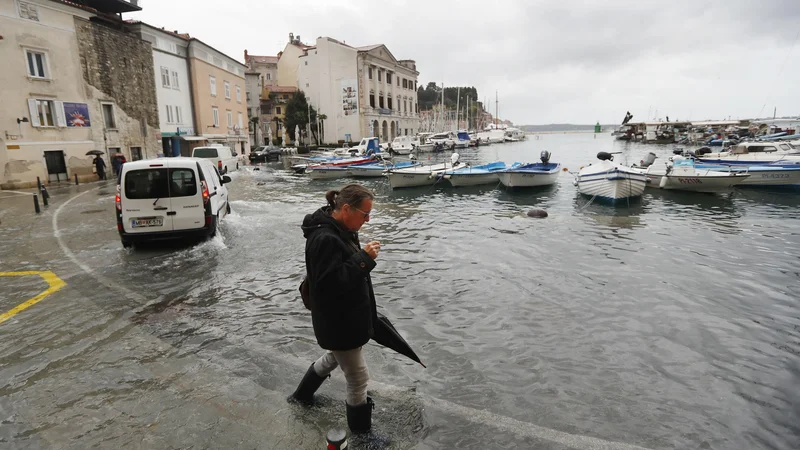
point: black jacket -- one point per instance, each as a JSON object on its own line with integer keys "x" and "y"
{"x": 343, "y": 307}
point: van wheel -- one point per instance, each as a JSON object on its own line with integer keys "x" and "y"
{"x": 227, "y": 208}
{"x": 212, "y": 231}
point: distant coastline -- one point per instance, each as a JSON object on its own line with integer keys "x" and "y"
{"x": 563, "y": 127}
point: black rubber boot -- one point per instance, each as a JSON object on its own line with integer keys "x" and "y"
{"x": 305, "y": 391}
{"x": 359, "y": 418}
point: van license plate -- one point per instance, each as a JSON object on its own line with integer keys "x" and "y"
{"x": 142, "y": 222}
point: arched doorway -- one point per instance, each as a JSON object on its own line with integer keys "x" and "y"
{"x": 393, "y": 131}
{"x": 385, "y": 133}
{"x": 376, "y": 129}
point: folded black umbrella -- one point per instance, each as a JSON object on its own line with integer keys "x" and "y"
{"x": 387, "y": 336}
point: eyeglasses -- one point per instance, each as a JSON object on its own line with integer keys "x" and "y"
{"x": 366, "y": 214}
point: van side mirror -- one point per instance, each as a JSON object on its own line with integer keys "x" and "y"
{"x": 226, "y": 179}
{"x": 235, "y": 154}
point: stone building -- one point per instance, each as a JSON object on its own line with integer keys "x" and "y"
{"x": 74, "y": 80}
{"x": 363, "y": 91}
{"x": 262, "y": 72}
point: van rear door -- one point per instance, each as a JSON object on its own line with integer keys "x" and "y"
{"x": 145, "y": 199}
{"x": 186, "y": 197}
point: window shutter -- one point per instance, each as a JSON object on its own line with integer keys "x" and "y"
{"x": 61, "y": 117}
{"x": 34, "y": 110}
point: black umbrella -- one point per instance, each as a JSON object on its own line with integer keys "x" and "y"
{"x": 387, "y": 336}
{"x": 95, "y": 152}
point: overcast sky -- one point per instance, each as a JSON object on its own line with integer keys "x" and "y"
{"x": 552, "y": 61}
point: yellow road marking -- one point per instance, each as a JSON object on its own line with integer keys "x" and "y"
{"x": 52, "y": 280}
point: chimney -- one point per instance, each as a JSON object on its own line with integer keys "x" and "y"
{"x": 291, "y": 37}
{"x": 298, "y": 39}
{"x": 245, "y": 55}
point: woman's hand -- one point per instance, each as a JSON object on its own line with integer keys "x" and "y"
{"x": 372, "y": 249}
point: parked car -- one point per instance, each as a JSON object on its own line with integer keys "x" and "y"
{"x": 224, "y": 158}
{"x": 170, "y": 198}
{"x": 265, "y": 153}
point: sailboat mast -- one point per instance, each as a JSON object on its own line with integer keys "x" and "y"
{"x": 496, "y": 108}
{"x": 458, "y": 104}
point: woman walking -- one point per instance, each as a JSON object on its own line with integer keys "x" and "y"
{"x": 342, "y": 300}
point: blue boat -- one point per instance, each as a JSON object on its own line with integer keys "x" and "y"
{"x": 475, "y": 175}
{"x": 530, "y": 175}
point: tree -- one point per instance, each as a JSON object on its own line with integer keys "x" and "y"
{"x": 297, "y": 114}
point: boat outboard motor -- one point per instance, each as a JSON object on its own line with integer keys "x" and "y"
{"x": 702, "y": 151}
{"x": 605, "y": 156}
{"x": 545, "y": 157}
{"x": 454, "y": 159}
{"x": 412, "y": 157}
{"x": 649, "y": 160}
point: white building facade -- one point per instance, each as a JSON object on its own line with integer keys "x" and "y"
{"x": 363, "y": 91}
{"x": 171, "y": 67}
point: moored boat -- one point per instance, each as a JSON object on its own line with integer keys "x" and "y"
{"x": 681, "y": 174}
{"x": 419, "y": 175}
{"x": 529, "y": 175}
{"x": 475, "y": 175}
{"x": 608, "y": 180}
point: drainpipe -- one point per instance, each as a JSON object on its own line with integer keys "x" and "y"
{"x": 191, "y": 66}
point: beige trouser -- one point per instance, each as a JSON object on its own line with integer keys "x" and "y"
{"x": 355, "y": 371}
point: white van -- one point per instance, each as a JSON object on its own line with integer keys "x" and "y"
{"x": 223, "y": 157}
{"x": 170, "y": 198}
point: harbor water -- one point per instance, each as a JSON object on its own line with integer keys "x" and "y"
{"x": 669, "y": 323}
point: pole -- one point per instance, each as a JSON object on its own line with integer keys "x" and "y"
{"x": 76, "y": 179}
{"x": 36, "y": 204}
{"x": 458, "y": 104}
{"x": 45, "y": 196}
{"x": 38, "y": 183}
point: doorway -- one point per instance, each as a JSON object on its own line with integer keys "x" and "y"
{"x": 56, "y": 165}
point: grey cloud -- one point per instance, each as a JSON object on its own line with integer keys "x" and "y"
{"x": 552, "y": 61}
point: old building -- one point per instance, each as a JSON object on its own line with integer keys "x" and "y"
{"x": 74, "y": 80}
{"x": 218, "y": 93}
{"x": 363, "y": 91}
{"x": 173, "y": 90}
{"x": 262, "y": 72}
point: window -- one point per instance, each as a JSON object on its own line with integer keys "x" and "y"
{"x": 136, "y": 153}
{"x": 405, "y": 83}
{"x": 108, "y": 116}
{"x": 213, "y": 86}
{"x": 36, "y": 64}
{"x": 380, "y": 72}
{"x": 43, "y": 112}
{"x": 389, "y": 78}
{"x": 372, "y": 100}
{"x": 306, "y": 63}
{"x": 165, "y": 77}
{"x": 370, "y": 73}
{"x": 215, "y": 111}
{"x": 277, "y": 110}
{"x": 398, "y": 81}
{"x": 238, "y": 94}
{"x": 269, "y": 76}
{"x": 178, "y": 115}
{"x": 160, "y": 183}
{"x": 229, "y": 116}
{"x": 380, "y": 101}
{"x": 416, "y": 107}
{"x": 248, "y": 96}
{"x": 389, "y": 102}
{"x": 405, "y": 108}
{"x": 227, "y": 90}
{"x": 415, "y": 85}
{"x": 169, "y": 114}
{"x": 240, "y": 120}
{"x": 175, "y": 81}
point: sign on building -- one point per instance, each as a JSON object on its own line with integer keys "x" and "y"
{"x": 77, "y": 114}
{"x": 350, "y": 97}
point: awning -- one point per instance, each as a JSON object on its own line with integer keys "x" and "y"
{"x": 193, "y": 138}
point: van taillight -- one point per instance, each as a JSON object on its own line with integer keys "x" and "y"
{"x": 118, "y": 200}
{"x": 205, "y": 191}
{"x": 219, "y": 164}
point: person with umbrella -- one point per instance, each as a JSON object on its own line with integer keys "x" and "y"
{"x": 99, "y": 164}
{"x": 341, "y": 298}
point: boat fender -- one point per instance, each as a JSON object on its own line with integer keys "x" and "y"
{"x": 538, "y": 213}
{"x": 663, "y": 182}
{"x": 605, "y": 156}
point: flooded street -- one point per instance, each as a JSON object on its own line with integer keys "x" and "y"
{"x": 672, "y": 323}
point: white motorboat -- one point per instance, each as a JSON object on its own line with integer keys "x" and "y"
{"x": 608, "y": 180}
{"x": 514, "y": 135}
{"x": 751, "y": 154}
{"x": 529, "y": 175}
{"x": 378, "y": 169}
{"x": 768, "y": 175}
{"x": 681, "y": 174}
{"x": 402, "y": 145}
{"x": 419, "y": 175}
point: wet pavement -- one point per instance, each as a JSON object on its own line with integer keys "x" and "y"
{"x": 669, "y": 324}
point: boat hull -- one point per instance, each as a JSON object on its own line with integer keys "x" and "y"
{"x": 363, "y": 172}
{"x": 466, "y": 179}
{"x": 411, "y": 179}
{"x": 526, "y": 179}
{"x": 327, "y": 174}
{"x": 696, "y": 183}
{"x": 611, "y": 182}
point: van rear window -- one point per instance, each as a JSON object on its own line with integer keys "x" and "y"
{"x": 205, "y": 153}
{"x": 160, "y": 183}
